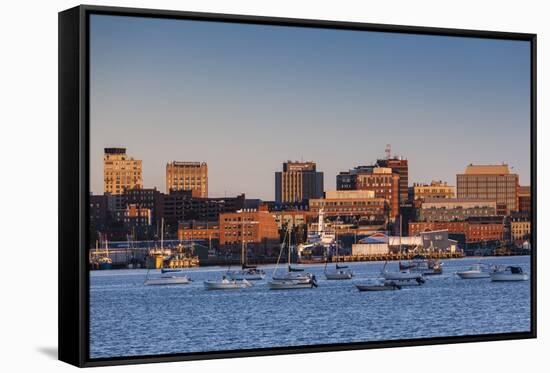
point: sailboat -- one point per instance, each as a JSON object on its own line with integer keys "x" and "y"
{"x": 247, "y": 272}
{"x": 105, "y": 262}
{"x": 403, "y": 276}
{"x": 292, "y": 279}
{"x": 166, "y": 278}
{"x": 339, "y": 272}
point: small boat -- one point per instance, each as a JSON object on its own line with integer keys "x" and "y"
{"x": 294, "y": 276}
{"x": 292, "y": 284}
{"x": 510, "y": 273}
{"x": 170, "y": 270}
{"x": 476, "y": 271}
{"x": 388, "y": 285}
{"x": 419, "y": 264}
{"x": 402, "y": 275}
{"x": 105, "y": 263}
{"x": 168, "y": 280}
{"x": 339, "y": 274}
{"x": 226, "y": 284}
{"x": 247, "y": 273}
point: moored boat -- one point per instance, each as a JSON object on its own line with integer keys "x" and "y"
{"x": 475, "y": 271}
{"x": 168, "y": 280}
{"x": 510, "y": 273}
{"x": 378, "y": 287}
{"x": 226, "y": 284}
{"x": 402, "y": 275}
{"x": 292, "y": 284}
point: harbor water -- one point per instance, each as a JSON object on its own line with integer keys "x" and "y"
{"x": 129, "y": 319}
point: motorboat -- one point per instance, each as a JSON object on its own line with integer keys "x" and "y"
{"x": 292, "y": 284}
{"x": 406, "y": 281}
{"x": 168, "y": 280}
{"x": 226, "y": 284}
{"x": 475, "y": 271}
{"x": 509, "y": 273}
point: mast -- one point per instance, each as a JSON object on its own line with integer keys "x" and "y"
{"x": 242, "y": 241}
{"x": 162, "y": 235}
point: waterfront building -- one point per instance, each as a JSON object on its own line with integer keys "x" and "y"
{"x": 257, "y": 228}
{"x": 380, "y": 180}
{"x": 493, "y": 182}
{"x": 120, "y": 172}
{"x": 520, "y": 227}
{"x": 524, "y": 199}
{"x": 399, "y": 166}
{"x": 436, "y": 189}
{"x": 182, "y": 205}
{"x": 199, "y": 230}
{"x": 454, "y": 209}
{"x": 474, "y": 229}
{"x": 187, "y": 176}
{"x": 298, "y": 182}
{"x": 362, "y": 204}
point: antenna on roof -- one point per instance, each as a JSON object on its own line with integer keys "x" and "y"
{"x": 388, "y": 151}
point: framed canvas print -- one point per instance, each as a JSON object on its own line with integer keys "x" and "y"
{"x": 235, "y": 186}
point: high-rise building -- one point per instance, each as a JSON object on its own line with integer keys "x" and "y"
{"x": 399, "y": 166}
{"x": 524, "y": 198}
{"x": 120, "y": 172}
{"x": 187, "y": 176}
{"x": 436, "y": 189}
{"x": 381, "y": 180}
{"x": 298, "y": 182}
{"x": 494, "y": 182}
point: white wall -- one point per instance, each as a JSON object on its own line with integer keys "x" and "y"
{"x": 28, "y": 311}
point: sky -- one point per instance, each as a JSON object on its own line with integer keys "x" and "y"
{"x": 246, "y": 98}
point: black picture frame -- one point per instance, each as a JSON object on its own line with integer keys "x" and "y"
{"x": 74, "y": 182}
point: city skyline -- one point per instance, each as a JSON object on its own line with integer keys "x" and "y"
{"x": 173, "y": 90}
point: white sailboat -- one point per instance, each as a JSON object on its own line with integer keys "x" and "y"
{"x": 291, "y": 279}
{"x": 226, "y": 284}
{"x": 247, "y": 272}
{"x": 166, "y": 278}
{"x": 339, "y": 272}
{"x": 403, "y": 277}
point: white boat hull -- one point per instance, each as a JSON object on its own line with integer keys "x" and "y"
{"x": 304, "y": 278}
{"x": 339, "y": 275}
{"x": 468, "y": 275}
{"x": 509, "y": 277}
{"x": 174, "y": 280}
{"x": 231, "y": 285}
{"x": 289, "y": 284}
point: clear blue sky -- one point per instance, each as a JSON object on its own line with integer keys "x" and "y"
{"x": 245, "y": 98}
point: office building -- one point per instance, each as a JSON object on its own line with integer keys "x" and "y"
{"x": 120, "y": 172}
{"x": 298, "y": 182}
{"x": 187, "y": 176}
{"x": 494, "y": 182}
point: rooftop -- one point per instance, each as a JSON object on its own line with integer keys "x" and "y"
{"x": 487, "y": 169}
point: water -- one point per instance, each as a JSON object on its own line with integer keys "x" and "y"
{"x": 128, "y": 318}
